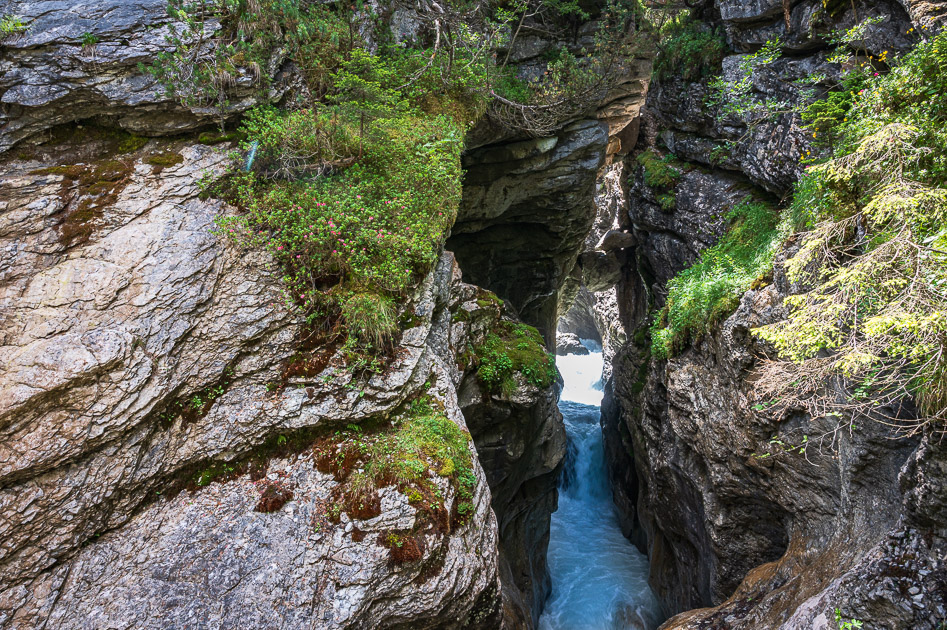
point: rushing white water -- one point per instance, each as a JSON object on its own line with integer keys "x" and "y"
{"x": 599, "y": 579}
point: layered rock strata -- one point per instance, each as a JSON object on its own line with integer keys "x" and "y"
{"x": 733, "y": 515}
{"x": 115, "y": 321}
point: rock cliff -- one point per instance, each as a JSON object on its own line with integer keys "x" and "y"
{"x": 529, "y": 203}
{"x": 733, "y": 515}
{"x": 140, "y": 355}
{"x": 164, "y": 458}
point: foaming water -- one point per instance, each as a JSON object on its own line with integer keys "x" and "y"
{"x": 599, "y": 579}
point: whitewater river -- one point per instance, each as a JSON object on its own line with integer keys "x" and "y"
{"x": 599, "y": 579}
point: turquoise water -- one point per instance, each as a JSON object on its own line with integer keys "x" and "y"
{"x": 599, "y": 579}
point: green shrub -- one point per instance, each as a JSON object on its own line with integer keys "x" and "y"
{"x": 353, "y": 193}
{"x": 688, "y": 49}
{"x": 12, "y": 25}
{"x": 873, "y": 260}
{"x": 825, "y": 117}
{"x": 510, "y": 349}
{"x": 376, "y": 225}
{"x": 710, "y": 289}
{"x": 372, "y": 319}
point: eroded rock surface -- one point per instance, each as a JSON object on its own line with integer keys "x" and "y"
{"x": 138, "y": 348}
{"x": 526, "y": 210}
{"x": 738, "y": 523}
{"x": 778, "y": 537}
{"x": 80, "y": 60}
{"x": 521, "y": 443}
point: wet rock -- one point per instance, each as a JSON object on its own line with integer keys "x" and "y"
{"x": 748, "y": 530}
{"x": 526, "y": 210}
{"x": 569, "y": 343}
{"x": 521, "y": 443}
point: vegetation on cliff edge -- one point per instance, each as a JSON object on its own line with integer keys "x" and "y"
{"x": 868, "y": 259}
{"x": 352, "y": 184}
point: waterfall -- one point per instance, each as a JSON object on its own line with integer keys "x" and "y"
{"x": 599, "y": 579}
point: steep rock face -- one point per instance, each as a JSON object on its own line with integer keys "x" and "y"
{"x": 138, "y": 349}
{"x": 668, "y": 240}
{"x": 521, "y": 443}
{"x": 781, "y": 537}
{"x": 767, "y": 153}
{"x": 588, "y": 306}
{"x": 51, "y": 73}
{"x": 526, "y": 210}
{"x": 529, "y": 204}
{"x": 730, "y": 517}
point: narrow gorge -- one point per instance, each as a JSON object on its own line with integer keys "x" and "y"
{"x": 473, "y": 314}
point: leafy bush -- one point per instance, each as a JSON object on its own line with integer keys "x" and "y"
{"x": 873, "y": 258}
{"x": 12, "y": 25}
{"x": 510, "y": 349}
{"x": 687, "y": 48}
{"x": 711, "y": 288}
{"x": 374, "y": 227}
{"x": 354, "y": 193}
{"x": 825, "y": 116}
{"x": 734, "y": 98}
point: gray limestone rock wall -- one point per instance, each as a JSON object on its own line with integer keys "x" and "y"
{"x": 50, "y": 74}
{"x": 529, "y": 204}
{"x": 521, "y": 443}
{"x": 526, "y": 210}
{"x": 120, "y": 306}
{"x": 104, "y": 335}
{"x": 765, "y": 538}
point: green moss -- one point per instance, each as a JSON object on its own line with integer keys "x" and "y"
{"x": 667, "y": 202}
{"x": 409, "y": 452}
{"x": 488, "y": 299}
{"x": 661, "y": 172}
{"x": 214, "y": 137}
{"x": 512, "y": 349}
{"x": 166, "y": 159}
{"x": 217, "y": 471}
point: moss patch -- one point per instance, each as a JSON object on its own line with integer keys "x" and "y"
{"x": 164, "y": 160}
{"x": 510, "y": 349}
{"x": 212, "y": 138}
{"x": 409, "y": 452}
{"x": 661, "y": 172}
{"x": 85, "y": 191}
